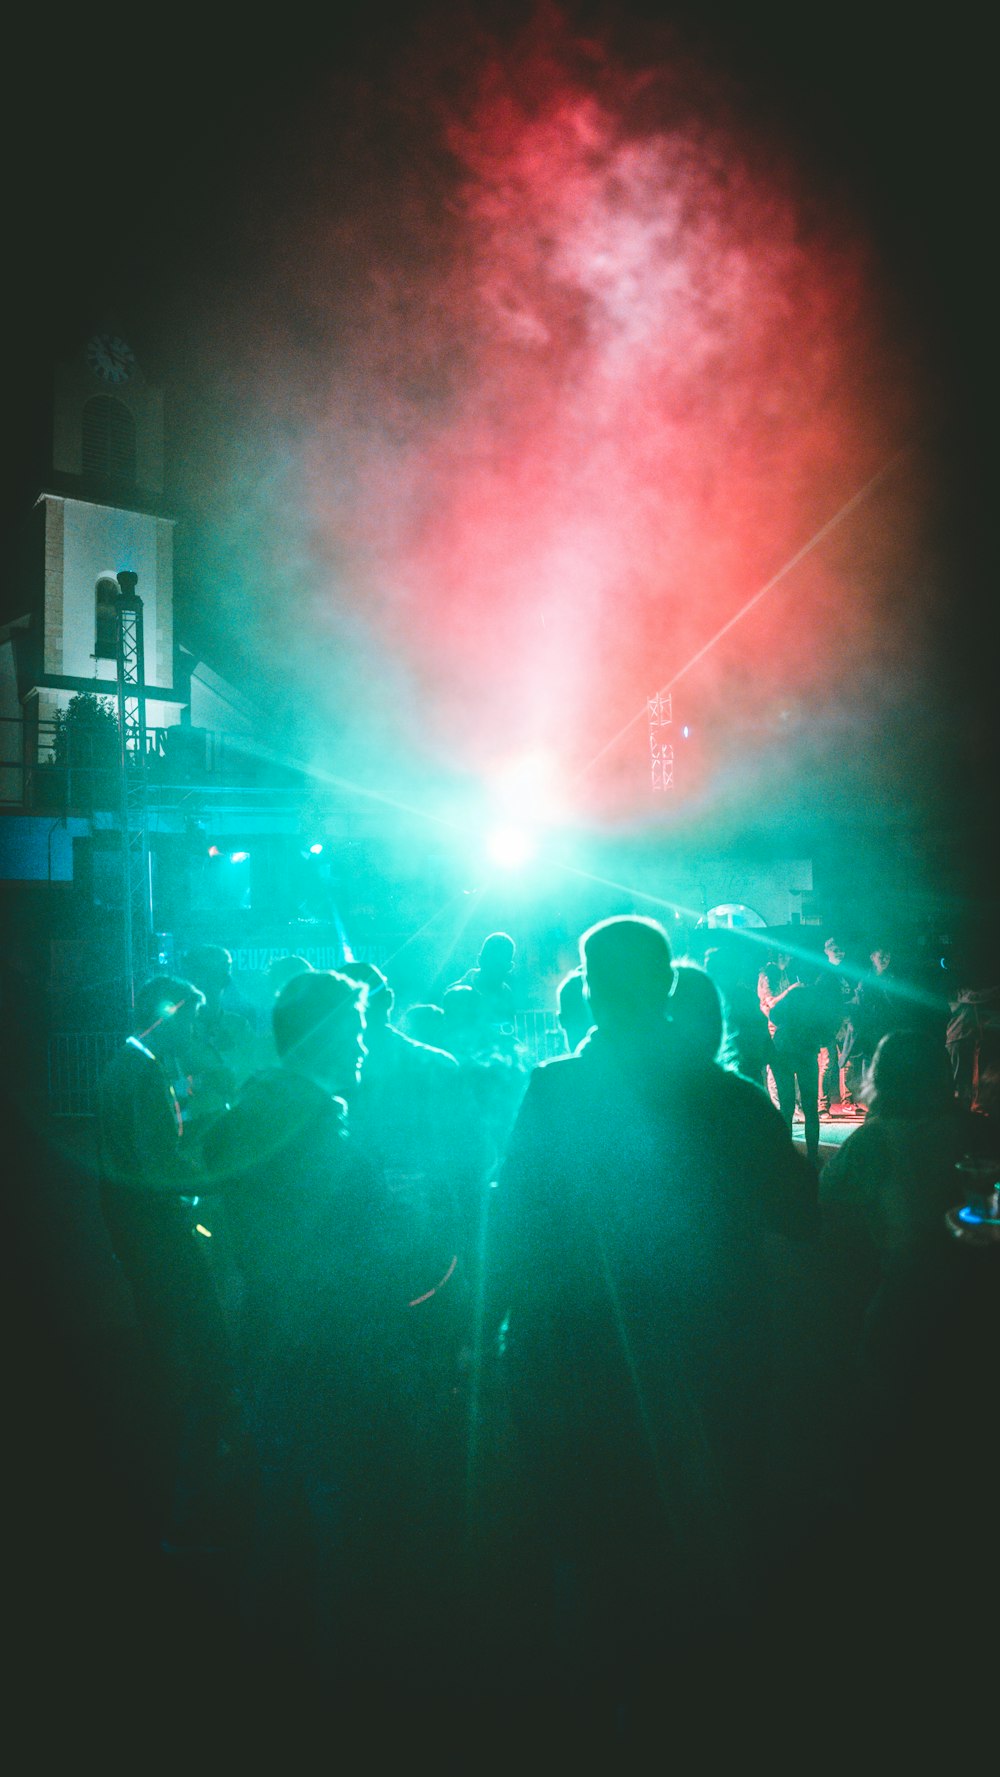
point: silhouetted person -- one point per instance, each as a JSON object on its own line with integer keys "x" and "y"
{"x": 777, "y": 974}
{"x": 974, "y": 1025}
{"x": 391, "y": 1047}
{"x": 282, "y": 969}
{"x": 697, "y": 1017}
{"x": 626, "y": 1274}
{"x": 573, "y": 1009}
{"x": 491, "y": 1068}
{"x": 411, "y": 1114}
{"x": 461, "y": 1030}
{"x": 875, "y": 1012}
{"x": 221, "y": 1053}
{"x": 836, "y": 989}
{"x": 149, "y": 1192}
{"x": 800, "y": 1020}
{"x": 407, "y": 1090}
{"x": 746, "y": 1028}
{"x": 340, "y": 1404}
{"x": 933, "y": 1308}
{"x": 895, "y": 1176}
{"x": 490, "y": 982}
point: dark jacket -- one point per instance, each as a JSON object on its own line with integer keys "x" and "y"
{"x": 804, "y": 1018}
{"x": 627, "y": 1270}
{"x": 338, "y": 1280}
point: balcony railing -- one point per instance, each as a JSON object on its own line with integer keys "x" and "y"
{"x": 53, "y": 769}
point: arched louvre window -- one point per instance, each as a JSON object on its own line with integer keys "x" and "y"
{"x": 108, "y": 439}
{"x": 106, "y": 618}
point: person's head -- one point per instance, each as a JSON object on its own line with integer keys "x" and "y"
{"x": 380, "y": 997}
{"x": 910, "y": 1076}
{"x": 210, "y": 967}
{"x": 573, "y": 1008}
{"x": 164, "y": 1013}
{"x": 834, "y": 951}
{"x": 783, "y": 959}
{"x": 627, "y": 970}
{"x": 318, "y": 1020}
{"x": 496, "y": 957}
{"x": 880, "y": 960}
{"x": 722, "y": 964}
{"x": 696, "y": 1014}
{"x": 282, "y": 969}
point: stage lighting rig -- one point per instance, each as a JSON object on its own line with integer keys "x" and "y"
{"x": 660, "y": 717}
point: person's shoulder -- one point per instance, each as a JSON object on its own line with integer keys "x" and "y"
{"x": 280, "y": 1094}
{"x": 746, "y": 1103}
{"x": 868, "y": 1147}
{"x": 409, "y": 1049}
{"x": 553, "y": 1081}
{"x": 277, "y": 1115}
{"x": 874, "y": 1134}
{"x": 739, "y": 1084}
{"x": 557, "y": 1072}
{"x": 733, "y": 1089}
{"x": 131, "y": 1065}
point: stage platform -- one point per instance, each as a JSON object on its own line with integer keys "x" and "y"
{"x": 834, "y": 1127}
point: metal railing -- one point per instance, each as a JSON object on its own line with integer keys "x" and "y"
{"x": 540, "y": 1035}
{"x": 52, "y": 768}
{"x": 77, "y": 1060}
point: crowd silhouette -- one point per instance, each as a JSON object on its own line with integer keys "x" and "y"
{"x": 501, "y": 1381}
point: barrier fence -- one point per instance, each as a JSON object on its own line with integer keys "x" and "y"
{"x": 77, "y": 1059}
{"x": 540, "y": 1035}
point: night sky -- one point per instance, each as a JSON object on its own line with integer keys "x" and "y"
{"x": 511, "y": 352}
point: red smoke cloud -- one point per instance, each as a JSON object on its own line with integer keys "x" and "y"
{"x": 582, "y": 362}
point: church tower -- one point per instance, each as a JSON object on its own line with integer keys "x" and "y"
{"x": 99, "y": 510}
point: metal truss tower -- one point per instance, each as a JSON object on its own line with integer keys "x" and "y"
{"x": 137, "y": 880}
{"x": 661, "y": 751}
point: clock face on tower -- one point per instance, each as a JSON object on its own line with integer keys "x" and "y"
{"x": 110, "y": 358}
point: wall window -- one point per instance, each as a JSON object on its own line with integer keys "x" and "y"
{"x": 106, "y": 618}
{"x": 108, "y": 439}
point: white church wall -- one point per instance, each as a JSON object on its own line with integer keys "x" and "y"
{"x": 218, "y": 705}
{"x": 99, "y": 540}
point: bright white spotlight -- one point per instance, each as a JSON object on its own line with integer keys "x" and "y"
{"x": 238, "y": 857}
{"x": 315, "y": 850}
{"x": 526, "y": 785}
{"x": 510, "y": 847}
